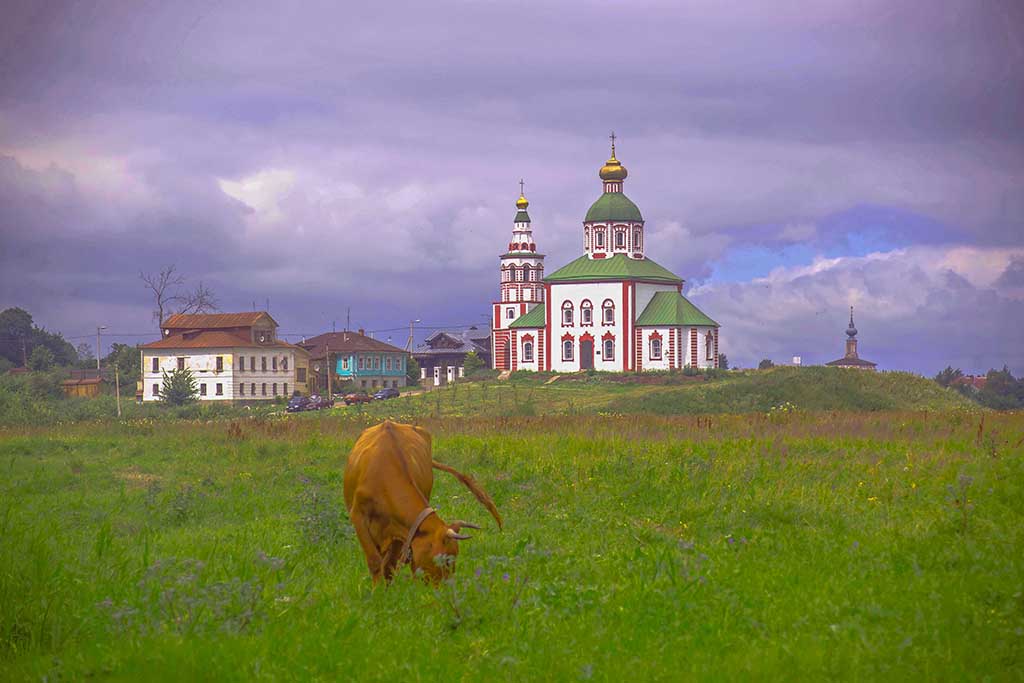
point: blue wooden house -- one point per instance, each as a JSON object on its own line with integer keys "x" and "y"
{"x": 369, "y": 363}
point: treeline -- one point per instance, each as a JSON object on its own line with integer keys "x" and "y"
{"x": 999, "y": 391}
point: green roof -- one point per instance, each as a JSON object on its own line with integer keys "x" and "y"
{"x": 672, "y": 308}
{"x": 613, "y": 206}
{"x": 618, "y": 267}
{"x": 535, "y": 318}
{"x": 522, "y": 216}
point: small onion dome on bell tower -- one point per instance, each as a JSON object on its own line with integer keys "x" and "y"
{"x": 851, "y": 331}
{"x": 521, "y": 204}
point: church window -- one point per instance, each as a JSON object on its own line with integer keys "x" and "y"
{"x": 567, "y": 349}
{"x": 519, "y": 275}
{"x": 609, "y": 349}
{"x": 527, "y": 352}
{"x": 636, "y": 240}
{"x": 655, "y": 348}
{"x": 709, "y": 346}
{"x": 533, "y": 275}
{"x": 599, "y": 239}
{"x": 567, "y": 313}
{"x": 510, "y": 313}
{"x": 620, "y": 239}
{"x": 586, "y": 313}
{"x": 609, "y": 312}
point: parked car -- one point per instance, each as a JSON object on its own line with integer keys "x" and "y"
{"x": 386, "y": 392}
{"x": 296, "y": 404}
{"x": 357, "y": 397}
{"x": 319, "y": 402}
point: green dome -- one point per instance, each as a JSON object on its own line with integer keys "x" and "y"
{"x": 613, "y": 206}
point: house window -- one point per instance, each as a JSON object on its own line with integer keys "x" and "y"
{"x": 609, "y": 312}
{"x": 156, "y": 364}
{"x": 510, "y": 313}
{"x": 387, "y": 363}
{"x": 620, "y": 239}
{"x": 275, "y": 388}
{"x": 241, "y": 389}
{"x": 599, "y": 239}
{"x": 655, "y": 348}
{"x": 527, "y": 352}
{"x": 709, "y": 346}
{"x": 586, "y": 313}
{"x": 609, "y": 349}
{"x": 567, "y": 313}
{"x": 202, "y": 389}
{"x": 284, "y": 363}
{"x": 567, "y": 349}
{"x": 263, "y": 389}
{"x": 181, "y": 363}
{"x": 156, "y": 390}
{"x": 263, "y": 363}
{"x": 273, "y": 363}
{"x": 360, "y": 362}
{"x": 252, "y": 365}
{"x": 376, "y": 363}
{"x": 285, "y": 391}
{"x": 300, "y": 375}
{"x": 374, "y": 384}
{"x": 344, "y": 363}
{"x": 220, "y": 363}
{"x": 252, "y": 387}
{"x": 241, "y": 363}
{"x": 220, "y": 389}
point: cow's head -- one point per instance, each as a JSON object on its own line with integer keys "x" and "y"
{"x": 435, "y": 548}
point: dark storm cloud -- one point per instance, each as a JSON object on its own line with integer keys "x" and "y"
{"x": 329, "y": 154}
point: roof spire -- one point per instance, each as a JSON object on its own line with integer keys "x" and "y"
{"x": 521, "y": 203}
{"x": 851, "y": 331}
{"x": 613, "y": 170}
{"x": 612, "y": 138}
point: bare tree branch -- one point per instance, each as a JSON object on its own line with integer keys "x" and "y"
{"x": 200, "y": 300}
{"x": 169, "y": 299}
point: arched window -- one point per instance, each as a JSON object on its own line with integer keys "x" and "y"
{"x": 567, "y": 349}
{"x": 586, "y": 313}
{"x": 599, "y": 238}
{"x": 620, "y": 239}
{"x": 709, "y": 346}
{"x": 533, "y": 274}
{"x": 519, "y": 275}
{"x": 510, "y": 313}
{"x": 609, "y": 349}
{"x": 567, "y": 313}
{"x": 655, "y": 348}
{"x": 609, "y": 312}
{"x": 636, "y": 239}
{"x": 527, "y": 351}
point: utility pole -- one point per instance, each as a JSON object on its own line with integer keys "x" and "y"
{"x": 98, "y": 328}
{"x": 330, "y": 371}
{"x": 117, "y": 389}
{"x": 409, "y": 343}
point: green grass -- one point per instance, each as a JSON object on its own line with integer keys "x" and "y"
{"x": 792, "y": 546}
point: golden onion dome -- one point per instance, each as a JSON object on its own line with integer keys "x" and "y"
{"x": 521, "y": 203}
{"x": 613, "y": 170}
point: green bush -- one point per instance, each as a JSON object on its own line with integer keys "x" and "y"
{"x": 179, "y": 387}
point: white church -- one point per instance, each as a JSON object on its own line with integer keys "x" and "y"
{"x": 611, "y": 309}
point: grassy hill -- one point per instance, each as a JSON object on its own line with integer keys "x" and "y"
{"x": 809, "y": 389}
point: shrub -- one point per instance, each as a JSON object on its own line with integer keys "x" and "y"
{"x": 179, "y": 387}
{"x": 41, "y": 359}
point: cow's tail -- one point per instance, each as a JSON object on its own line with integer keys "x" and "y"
{"x": 471, "y": 484}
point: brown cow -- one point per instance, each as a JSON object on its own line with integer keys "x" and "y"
{"x": 388, "y": 479}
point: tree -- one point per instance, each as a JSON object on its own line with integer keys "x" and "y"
{"x": 86, "y": 357}
{"x": 1002, "y": 391}
{"x": 127, "y": 361}
{"x": 723, "y": 361}
{"x": 179, "y": 387}
{"x": 15, "y": 332}
{"x": 765, "y": 364}
{"x": 412, "y": 371}
{"x": 472, "y": 364}
{"x": 948, "y": 376}
{"x": 168, "y": 298}
{"x": 41, "y": 359}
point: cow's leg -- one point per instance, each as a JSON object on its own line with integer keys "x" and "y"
{"x": 389, "y": 561}
{"x": 373, "y": 558}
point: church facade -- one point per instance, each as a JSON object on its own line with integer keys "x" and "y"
{"x": 612, "y": 309}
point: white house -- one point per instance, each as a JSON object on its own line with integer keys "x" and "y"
{"x": 233, "y": 357}
{"x": 612, "y": 309}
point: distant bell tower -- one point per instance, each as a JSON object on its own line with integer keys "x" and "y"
{"x": 851, "y": 338}
{"x": 521, "y": 280}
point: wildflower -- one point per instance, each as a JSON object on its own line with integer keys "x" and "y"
{"x": 504, "y": 577}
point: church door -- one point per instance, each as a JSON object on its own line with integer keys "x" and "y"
{"x": 586, "y": 354}
{"x": 506, "y": 353}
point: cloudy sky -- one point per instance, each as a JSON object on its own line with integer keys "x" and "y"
{"x": 790, "y": 159}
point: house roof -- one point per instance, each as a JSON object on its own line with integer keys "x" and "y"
{"x": 212, "y": 339}
{"x": 617, "y": 267}
{"x": 613, "y": 206}
{"x": 346, "y": 342}
{"x": 535, "y": 318}
{"x": 461, "y": 341}
{"x": 852, "y": 362}
{"x": 213, "y": 321}
{"x": 672, "y": 308}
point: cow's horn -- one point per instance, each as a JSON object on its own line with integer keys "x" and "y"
{"x": 457, "y": 536}
{"x": 458, "y": 524}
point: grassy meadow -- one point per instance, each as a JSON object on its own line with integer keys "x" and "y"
{"x": 770, "y": 545}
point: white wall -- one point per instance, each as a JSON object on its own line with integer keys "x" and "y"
{"x": 203, "y": 364}
{"x": 648, "y": 362}
{"x": 596, "y": 293}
